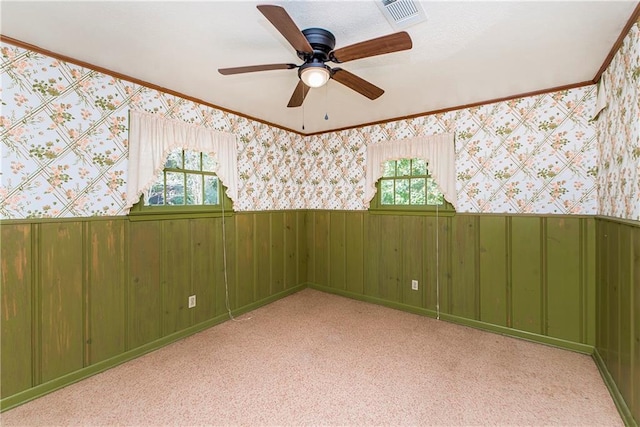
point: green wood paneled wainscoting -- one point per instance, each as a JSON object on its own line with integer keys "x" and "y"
{"x": 617, "y": 351}
{"x": 527, "y": 276}
{"x": 80, "y": 296}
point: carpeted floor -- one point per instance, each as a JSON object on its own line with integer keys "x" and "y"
{"x": 320, "y": 359}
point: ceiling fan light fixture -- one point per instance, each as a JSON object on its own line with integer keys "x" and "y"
{"x": 315, "y": 74}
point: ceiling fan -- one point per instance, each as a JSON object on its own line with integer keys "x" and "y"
{"x": 315, "y": 47}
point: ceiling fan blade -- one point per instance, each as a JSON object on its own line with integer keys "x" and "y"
{"x": 356, "y": 83}
{"x": 252, "y": 68}
{"x": 299, "y": 94}
{"x": 378, "y": 46}
{"x": 283, "y": 23}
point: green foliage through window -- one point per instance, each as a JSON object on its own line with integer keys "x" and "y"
{"x": 407, "y": 185}
{"x": 407, "y": 182}
{"x": 188, "y": 179}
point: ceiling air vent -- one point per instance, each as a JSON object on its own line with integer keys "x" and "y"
{"x": 402, "y": 13}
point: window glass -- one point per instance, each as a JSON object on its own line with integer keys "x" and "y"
{"x": 174, "y": 160}
{"x": 211, "y": 190}
{"x": 386, "y": 192}
{"x": 418, "y": 167}
{"x": 194, "y": 189}
{"x": 406, "y": 185}
{"x": 155, "y": 195}
{"x": 402, "y": 191}
{"x": 192, "y": 160}
{"x": 417, "y": 191}
{"x": 208, "y": 163}
{"x": 404, "y": 167}
{"x": 434, "y": 196}
{"x": 389, "y": 168}
{"x": 174, "y": 188}
{"x": 187, "y": 180}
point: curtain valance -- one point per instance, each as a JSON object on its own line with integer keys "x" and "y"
{"x": 153, "y": 137}
{"x": 438, "y": 150}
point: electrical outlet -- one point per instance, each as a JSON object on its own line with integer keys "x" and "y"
{"x": 192, "y": 301}
{"x": 414, "y": 285}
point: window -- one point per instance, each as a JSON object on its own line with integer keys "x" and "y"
{"x": 406, "y": 185}
{"x": 187, "y": 184}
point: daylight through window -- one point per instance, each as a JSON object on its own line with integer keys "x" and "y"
{"x": 188, "y": 179}
{"x": 406, "y": 182}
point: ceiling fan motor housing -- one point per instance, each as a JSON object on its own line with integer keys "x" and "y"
{"x": 322, "y": 42}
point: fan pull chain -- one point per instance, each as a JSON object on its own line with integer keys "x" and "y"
{"x": 302, "y": 116}
{"x": 326, "y": 91}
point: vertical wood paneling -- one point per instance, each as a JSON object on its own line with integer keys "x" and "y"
{"x": 464, "y": 299}
{"x": 263, "y": 255}
{"x": 438, "y": 238}
{"x": 431, "y": 269}
{"x": 108, "y": 286}
{"x": 602, "y": 285}
{"x": 390, "y": 258}
{"x": 277, "y": 253}
{"x": 17, "y": 299}
{"x": 337, "y": 254}
{"x": 618, "y": 305}
{"x": 321, "y": 248}
{"x": 564, "y": 304}
{"x": 354, "y": 237}
{"x": 493, "y": 270}
{"x": 310, "y": 265}
{"x": 625, "y": 325}
{"x": 613, "y": 347}
{"x": 106, "y": 290}
{"x": 588, "y": 280}
{"x": 372, "y": 255}
{"x": 412, "y": 230}
{"x": 304, "y": 249}
{"x": 145, "y": 302}
{"x": 526, "y": 276}
{"x": 62, "y": 329}
{"x": 372, "y": 268}
{"x": 445, "y": 264}
{"x": 291, "y": 255}
{"x": 203, "y": 263}
{"x": 635, "y": 322}
{"x": 224, "y": 226}
{"x": 244, "y": 284}
{"x": 176, "y": 280}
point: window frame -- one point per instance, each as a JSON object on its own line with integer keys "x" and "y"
{"x": 377, "y": 207}
{"x": 140, "y": 211}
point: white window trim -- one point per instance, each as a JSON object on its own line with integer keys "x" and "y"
{"x": 153, "y": 137}
{"x": 438, "y": 150}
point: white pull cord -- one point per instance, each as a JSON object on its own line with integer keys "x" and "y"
{"x": 224, "y": 264}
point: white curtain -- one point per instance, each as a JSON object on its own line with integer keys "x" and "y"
{"x": 153, "y": 137}
{"x": 438, "y": 150}
{"x": 601, "y": 99}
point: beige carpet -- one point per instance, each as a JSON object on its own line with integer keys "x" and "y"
{"x": 320, "y": 359}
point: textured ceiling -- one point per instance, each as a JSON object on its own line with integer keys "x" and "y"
{"x": 465, "y": 52}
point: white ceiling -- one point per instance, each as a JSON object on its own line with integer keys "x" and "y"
{"x": 465, "y": 52}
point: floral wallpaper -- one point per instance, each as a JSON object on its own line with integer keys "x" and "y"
{"x": 64, "y": 140}
{"x": 528, "y": 155}
{"x": 64, "y": 148}
{"x": 618, "y": 128}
